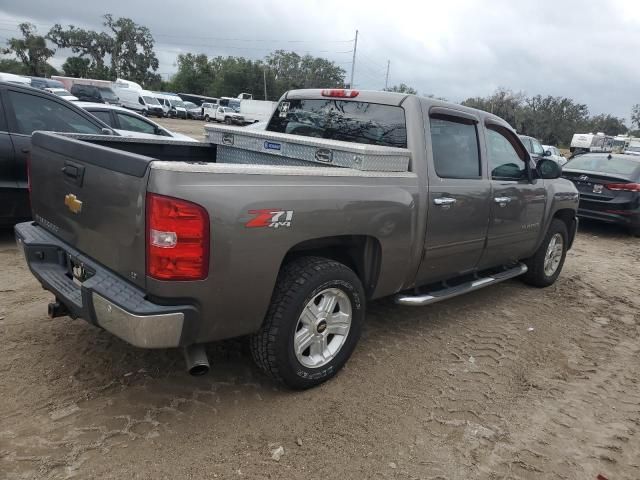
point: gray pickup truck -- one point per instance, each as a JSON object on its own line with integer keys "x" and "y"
{"x": 284, "y": 234}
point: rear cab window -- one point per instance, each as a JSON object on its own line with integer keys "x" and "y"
{"x": 345, "y": 120}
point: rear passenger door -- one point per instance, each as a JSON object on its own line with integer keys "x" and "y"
{"x": 8, "y": 184}
{"x": 458, "y": 199}
{"x": 28, "y": 112}
{"x": 518, "y": 199}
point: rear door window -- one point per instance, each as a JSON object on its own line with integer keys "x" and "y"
{"x": 33, "y": 112}
{"x": 455, "y": 148}
{"x": 103, "y": 115}
{"x": 350, "y": 121}
{"x": 134, "y": 124}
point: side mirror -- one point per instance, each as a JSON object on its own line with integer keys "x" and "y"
{"x": 548, "y": 169}
{"x": 108, "y": 131}
{"x": 547, "y": 153}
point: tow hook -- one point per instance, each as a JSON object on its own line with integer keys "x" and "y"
{"x": 57, "y": 309}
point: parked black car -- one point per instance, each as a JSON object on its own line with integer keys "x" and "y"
{"x": 23, "y": 110}
{"x": 534, "y": 147}
{"x": 92, "y": 93}
{"x": 609, "y": 186}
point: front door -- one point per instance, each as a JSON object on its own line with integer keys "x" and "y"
{"x": 459, "y": 199}
{"x": 517, "y": 203}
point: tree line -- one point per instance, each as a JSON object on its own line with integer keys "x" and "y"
{"x": 125, "y": 49}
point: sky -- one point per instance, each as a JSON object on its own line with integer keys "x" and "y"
{"x": 586, "y": 50}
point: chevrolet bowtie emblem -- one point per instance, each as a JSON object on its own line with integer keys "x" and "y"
{"x": 72, "y": 203}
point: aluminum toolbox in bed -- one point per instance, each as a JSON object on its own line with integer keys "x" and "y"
{"x": 242, "y": 145}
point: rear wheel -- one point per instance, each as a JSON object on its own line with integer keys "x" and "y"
{"x": 546, "y": 264}
{"x": 313, "y": 323}
{"x": 206, "y": 118}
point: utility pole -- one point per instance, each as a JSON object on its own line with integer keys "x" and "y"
{"x": 386, "y": 79}
{"x": 264, "y": 74}
{"x": 353, "y": 62}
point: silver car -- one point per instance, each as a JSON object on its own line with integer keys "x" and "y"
{"x": 128, "y": 123}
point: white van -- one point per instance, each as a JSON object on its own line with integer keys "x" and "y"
{"x": 173, "y": 104}
{"x": 154, "y": 107}
{"x": 129, "y": 98}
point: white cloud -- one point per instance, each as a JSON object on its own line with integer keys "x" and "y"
{"x": 456, "y": 49}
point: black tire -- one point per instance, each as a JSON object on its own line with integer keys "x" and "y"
{"x": 206, "y": 118}
{"x": 536, "y": 275}
{"x": 634, "y": 231}
{"x": 228, "y": 121}
{"x": 299, "y": 281}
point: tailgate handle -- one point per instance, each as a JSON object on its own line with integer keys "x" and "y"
{"x": 73, "y": 173}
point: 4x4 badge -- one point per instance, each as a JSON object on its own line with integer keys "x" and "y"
{"x": 72, "y": 203}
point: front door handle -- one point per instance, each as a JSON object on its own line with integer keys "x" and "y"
{"x": 502, "y": 200}
{"x": 25, "y": 150}
{"x": 444, "y": 201}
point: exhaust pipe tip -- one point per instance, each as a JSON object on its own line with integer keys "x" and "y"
{"x": 196, "y": 359}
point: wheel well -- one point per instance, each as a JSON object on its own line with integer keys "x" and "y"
{"x": 361, "y": 253}
{"x": 568, "y": 216}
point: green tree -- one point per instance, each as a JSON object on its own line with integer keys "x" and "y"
{"x": 31, "y": 50}
{"x": 127, "y": 45}
{"x": 11, "y": 65}
{"x": 77, "y": 67}
{"x": 132, "y": 54}
{"x": 635, "y": 115}
{"x": 195, "y": 75}
{"x": 291, "y": 70}
{"x": 402, "y": 88}
{"x": 504, "y": 103}
{"x": 606, "y": 123}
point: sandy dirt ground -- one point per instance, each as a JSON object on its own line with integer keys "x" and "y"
{"x": 193, "y": 128}
{"x": 507, "y": 382}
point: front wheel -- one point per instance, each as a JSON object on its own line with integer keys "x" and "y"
{"x": 227, "y": 121}
{"x": 546, "y": 264}
{"x": 313, "y": 323}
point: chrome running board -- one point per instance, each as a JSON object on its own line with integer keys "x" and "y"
{"x": 450, "y": 292}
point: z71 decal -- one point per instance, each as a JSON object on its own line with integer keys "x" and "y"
{"x": 270, "y": 218}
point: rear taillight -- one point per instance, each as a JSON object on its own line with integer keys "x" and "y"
{"x": 177, "y": 239}
{"x": 339, "y": 93}
{"x": 623, "y": 187}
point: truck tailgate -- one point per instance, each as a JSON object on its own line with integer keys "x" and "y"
{"x": 93, "y": 198}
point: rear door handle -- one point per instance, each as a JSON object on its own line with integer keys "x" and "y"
{"x": 25, "y": 150}
{"x": 502, "y": 200}
{"x": 444, "y": 201}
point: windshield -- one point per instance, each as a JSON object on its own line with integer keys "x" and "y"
{"x": 228, "y": 110}
{"x": 614, "y": 164}
{"x": 151, "y": 100}
{"x": 190, "y": 105}
{"x": 62, "y": 93}
{"x": 177, "y": 103}
{"x": 107, "y": 93}
{"x": 357, "y": 122}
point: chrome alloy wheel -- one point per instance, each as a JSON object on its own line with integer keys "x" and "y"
{"x": 323, "y": 327}
{"x": 554, "y": 254}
